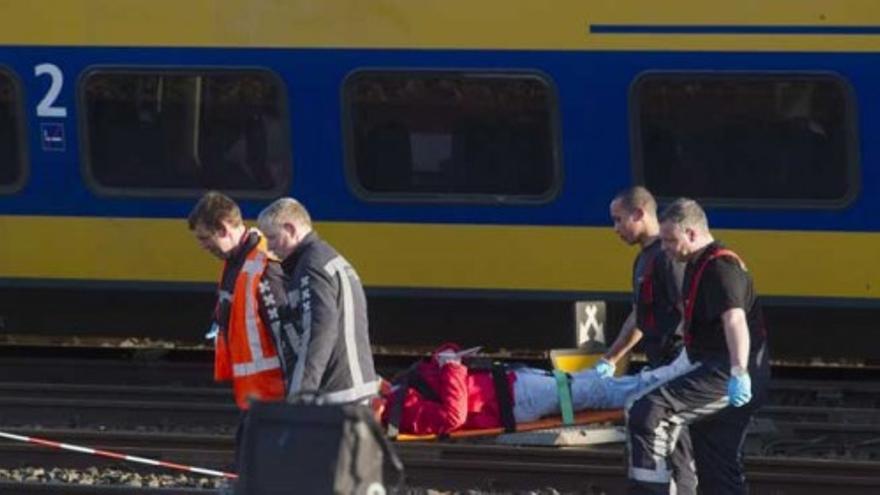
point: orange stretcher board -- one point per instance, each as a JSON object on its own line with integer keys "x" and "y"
{"x": 582, "y": 418}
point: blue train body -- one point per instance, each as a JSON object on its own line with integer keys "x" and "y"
{"x": 590, "y": 62}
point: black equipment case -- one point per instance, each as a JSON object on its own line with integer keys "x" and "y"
{"x": 313, "y": 449}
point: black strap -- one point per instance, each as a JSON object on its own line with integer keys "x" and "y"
{"x": 397, "y": 399}
{"x": 408, "y": 379}
{"x": 479, "y": 363}
{"x": 417, "y": 381}
{"x": 502, "y": 394}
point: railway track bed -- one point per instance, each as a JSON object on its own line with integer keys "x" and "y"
{"x": 486, "y": 468}
{"x": 813, "y": 437}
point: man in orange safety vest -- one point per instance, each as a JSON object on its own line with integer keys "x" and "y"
{"x": 251, "y": 346}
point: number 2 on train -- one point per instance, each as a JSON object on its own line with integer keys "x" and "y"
{"x": 46, "y": 107}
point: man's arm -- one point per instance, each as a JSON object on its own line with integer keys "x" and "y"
{"x": 736, "y": 333}
{"x": 727, "y": 286}
{"x": 732, "y": 299}
{"x": 320, "y": 321}
{"x": 629, "y": 336}
{"x": 275, "y": 314}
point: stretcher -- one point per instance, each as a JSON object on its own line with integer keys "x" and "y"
{"x": 581, "y": 418}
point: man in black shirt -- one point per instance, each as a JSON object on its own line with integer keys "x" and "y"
{"x": 725, "y": 339}
{"x": 655, "y": 315}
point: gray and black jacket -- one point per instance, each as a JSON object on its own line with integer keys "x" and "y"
{"x": 329, "y": 325}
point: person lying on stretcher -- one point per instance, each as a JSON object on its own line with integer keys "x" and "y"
{"x": 441, "y": 394}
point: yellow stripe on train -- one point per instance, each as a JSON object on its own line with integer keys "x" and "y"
{"x": 435, "y": 256}
{"x": 486, "y": 24}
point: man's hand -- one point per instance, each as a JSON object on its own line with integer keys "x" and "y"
{"x": 212, "y": 332}
{"x": 605, "y": 368}
{"x": 739, "y": 388}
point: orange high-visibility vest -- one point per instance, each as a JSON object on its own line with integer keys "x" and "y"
{"x": 245, "y": 353}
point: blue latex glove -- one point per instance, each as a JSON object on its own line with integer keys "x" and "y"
{"x": 739, "y": 389}
{"x": 212, "y": 332}
{"x": 605, "y": 368}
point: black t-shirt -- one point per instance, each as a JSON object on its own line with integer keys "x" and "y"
{"x": 724, "y": 285}
{"x": 640, "y": 265}
{"x": 659, "y": 317}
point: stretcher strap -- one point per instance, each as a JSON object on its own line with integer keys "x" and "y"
{"x": 397, "y": 398}
{"x": 502, "y": 394}
{"x": 564, "y": 391}
{"x": 410, "y": 378}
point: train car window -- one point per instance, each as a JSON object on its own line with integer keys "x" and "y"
{"x": 12, "y": 138}
{"x": 746, "y": 139}
{"x": 444, "y": 136}
{"x": 182, "y": 132}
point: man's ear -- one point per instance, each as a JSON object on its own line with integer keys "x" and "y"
{"x": 691, "y": 234}
{"x": 637, "y": 214}
{"x": 290, "y": 228}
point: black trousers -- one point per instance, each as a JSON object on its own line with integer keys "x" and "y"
{"x": 697, "y": 401}
{"x": 239, "y": 439}
{"x": 663, "y": 351}
{"x": 684, "y": 473}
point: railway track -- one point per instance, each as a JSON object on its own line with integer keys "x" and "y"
{"x": 813, "y": 436}
{"x": 505, "y": 468}
{"x": 12, "y": 488}
{"x": 118, "y": 406}
{"x": 602, "y": 471}
{"x": 110, "y": 370}
{"x": 116, "y": 414}
{"x": 147, "y": 393}
{"x": 768, "y": 439}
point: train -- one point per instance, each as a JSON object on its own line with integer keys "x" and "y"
{"x": 461, "y": 154}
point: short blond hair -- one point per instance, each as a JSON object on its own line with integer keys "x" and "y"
{"x": 285, "y": 210}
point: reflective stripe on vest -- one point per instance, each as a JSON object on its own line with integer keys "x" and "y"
{"x": 252, "y": 268}
{"x": 340, "y": 268}
{"x": 358, "y": 392}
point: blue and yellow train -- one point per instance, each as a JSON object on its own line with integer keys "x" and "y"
{"x": 449, "y": 147}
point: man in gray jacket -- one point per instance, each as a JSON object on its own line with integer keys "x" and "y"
{"x": 329, "y": 326}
